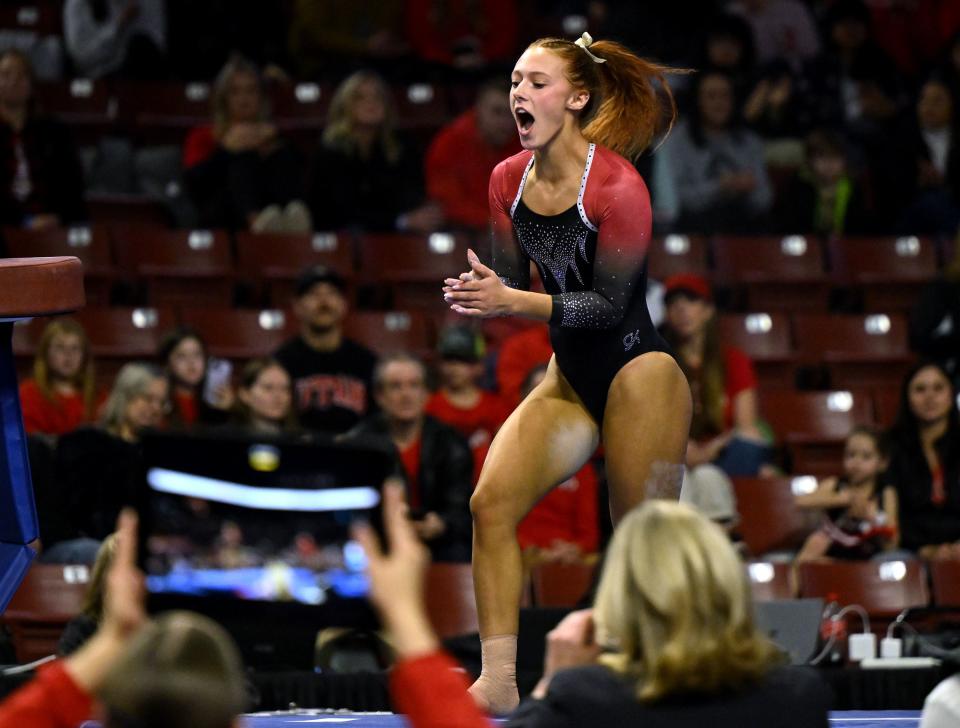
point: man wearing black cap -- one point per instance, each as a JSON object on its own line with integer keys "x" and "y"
{"x": 332, "y": 375}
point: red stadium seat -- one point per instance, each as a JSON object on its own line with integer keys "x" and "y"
{"x": 451, "y": 604}
{"x": 125, "y": 333}
{"x": 769, "y": 580}
{"x": 769, "y": 517}
{"x": 422, "y": 105}
{"x": 123, "y": 208}
{"x": 560, "y": 585}
{"x": 86, "y": 106}
{"x": 412, "y": 267}
{"x": 301, "y": 109}
{"x": 240, "y": 334}
{"x": 884, "y": 589}
{"x": 277, "y": 259}
{"x": 179, "y": 266}
{"x": 886, "y": 405}
{"x": 163, "y": 112}
{"x": 814, "y": 425}
{"x": 49, "y": 597}
{"x": 765, "y": 338}
{"x": 675, "y": 254}
{"x": 390, "y": 331}
{"x": 776, "y": 274}
{"x": 945, "y": 577}
{"x": 43, "y": 17}
{"x": 91, "y": 244}
{"x": 857, "y": 350}
{"x": 889, "y": 271}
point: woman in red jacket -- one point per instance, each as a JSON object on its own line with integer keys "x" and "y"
{"x": 572, "y": 203}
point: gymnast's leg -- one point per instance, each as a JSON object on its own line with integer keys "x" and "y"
{"x": 645, "y": 428}
{"x": 545, "y": 441}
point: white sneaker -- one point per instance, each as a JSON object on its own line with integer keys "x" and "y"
{"x": 297, "y": 218}
{"x": 270, "y": 220}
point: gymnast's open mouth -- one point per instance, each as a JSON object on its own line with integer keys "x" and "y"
{"x": 524, "y": 120}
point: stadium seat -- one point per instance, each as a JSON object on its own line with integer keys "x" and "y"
{"x": 49, "y": 596}
{"x": 765, "y": 338}
{"x": 409, "y": 269}
{"x": 945, "y": 578}
{"x": 89, "y": 243}
{"x": 886, "y": 405}
{"x": 125, "y": 333}
{"x": 769, "y": 517}
{"x": 43, "y": 17}
{"x": 769, "y": 580}
{"x": 240, "y": 334}
{"x": 275, "y": 260}
{"x": 560, "y": 585}
{"x": 300, "y": 109}
{"x": 187, "y": 267}
{"x": 884, "y": 589}
{"x": 162, "y": 112}
{"x": 421, "y": 105}
{"x": 451, "y": 604}
{"x": 772, "y": 273}
{"x": 390, "y": 331}
{"x": 673, "y": 254}
{"x": 857, "y": 350}
{"x": 123, "y": 208}
{"x": 86, "y": 106}
{"x": 888, "y": 271}
{"x": 814, "y": 425}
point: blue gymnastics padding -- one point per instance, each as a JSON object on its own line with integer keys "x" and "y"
{"x": 14, "y": 562}
{"x": 18, "y": 515}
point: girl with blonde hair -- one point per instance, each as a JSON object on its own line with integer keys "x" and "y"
{"x": 62, "y": 394}
{"x": 573, "y": 204}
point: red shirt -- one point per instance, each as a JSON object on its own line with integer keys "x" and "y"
{"x": 740, "y": 376}
{"x": 458, "y": 166}
{"x": 431, "y": 691}
{"x": 187, "y": 407}
{"x": 410, "y": 459}
{"x": 64, "y": 414}
{"x": 199, "y": 146}
{"x": 436, "y": 29}
{"x": 567, "y": 513}
{"x": 51, "y": 700}
{"x": 520, "y": 353}
{"x": 478, "y": 423}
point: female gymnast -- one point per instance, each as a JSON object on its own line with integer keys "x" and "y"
{"x": 572, "y": 203}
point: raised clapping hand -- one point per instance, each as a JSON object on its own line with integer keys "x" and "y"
{"x": 479, "y": 292}
{"x": 397, "y": 578}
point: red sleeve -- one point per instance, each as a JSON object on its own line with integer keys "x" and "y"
{"x": 740, "y": 375}
{"x": 587, "y": 527}
{"x": 617, "y": 204}
{"x": 446, "y": 182}
{"x": 199, "y": 145}
{"x": 432, "y": 692}
{"x": 509, "y": 261}
{"x": 34, "y": 407}
{"x": 51, "y": 700}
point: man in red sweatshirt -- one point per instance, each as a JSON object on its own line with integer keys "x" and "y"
{"x": 464, "y": 153}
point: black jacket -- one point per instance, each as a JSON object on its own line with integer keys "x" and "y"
{"x": 445, "y": 481}
{"x": 921, "y": 522}
{"x": 55, "y": 174}
{"x": 594, "y": 696}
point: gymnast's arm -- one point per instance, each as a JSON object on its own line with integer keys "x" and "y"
{"x": 622, "y": 212}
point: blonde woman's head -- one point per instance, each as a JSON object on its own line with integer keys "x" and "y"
{"x": 238, "y": 95}
{"x": 362, "y": 102}
{"x": 674, "y": 605}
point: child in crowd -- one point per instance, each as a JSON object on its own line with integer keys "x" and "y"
{"x": 459, "y": 401}
{"x": 861, "y": 511}
{"x": 193, "y": 399}
{"x": 62, "y": 393}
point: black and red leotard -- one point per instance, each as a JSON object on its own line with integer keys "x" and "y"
{"x": 592, "y": 260}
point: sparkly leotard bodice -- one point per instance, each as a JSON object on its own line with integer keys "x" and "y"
{"x": 592, "y": 260}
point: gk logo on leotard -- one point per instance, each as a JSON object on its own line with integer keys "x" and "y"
{"x": 631, "y": 339}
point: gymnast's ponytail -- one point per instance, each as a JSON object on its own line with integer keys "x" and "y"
{"x": 630, "y": 100}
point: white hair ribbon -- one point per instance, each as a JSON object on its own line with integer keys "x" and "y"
{"x": 584, "y": 41}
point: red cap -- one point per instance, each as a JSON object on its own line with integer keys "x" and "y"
{"x": 688, "y": 283}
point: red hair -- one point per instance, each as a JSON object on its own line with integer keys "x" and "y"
{"x": 630, "y": 100}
